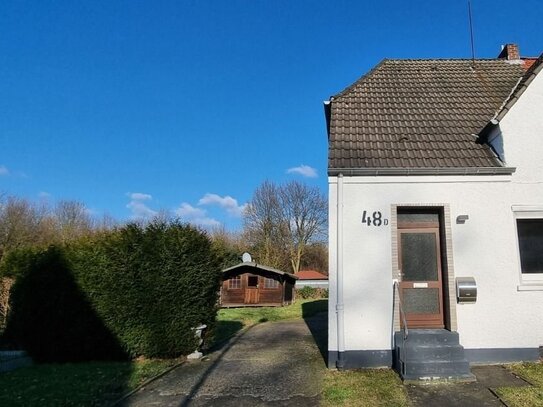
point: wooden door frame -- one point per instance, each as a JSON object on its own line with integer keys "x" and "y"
{"x": 423, "y": 320}
{"x": 248, "y": 289}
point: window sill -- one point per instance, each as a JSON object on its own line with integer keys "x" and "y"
{"x": 530, "y": 287}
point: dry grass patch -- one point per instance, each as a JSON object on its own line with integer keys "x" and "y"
{"x": 373, "y": 387}
{"x": 524, "y": 396}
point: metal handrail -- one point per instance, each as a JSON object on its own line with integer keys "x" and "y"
{"x": 404, "y": 329}
{"x": 402, "y": 312}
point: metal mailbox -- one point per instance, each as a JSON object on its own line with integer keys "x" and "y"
{"x": 466, "y": 289}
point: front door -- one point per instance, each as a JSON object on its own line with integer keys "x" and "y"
{"x": 421, "y": 277}
{"x": 251, "y": 292}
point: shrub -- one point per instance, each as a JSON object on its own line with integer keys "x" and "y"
{"x": 306, "y": 292}
{"x": 135, "y": 291}
{"x": 312, "y": 292}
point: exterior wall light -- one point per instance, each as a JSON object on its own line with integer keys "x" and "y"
{"x": 461, "y": 219}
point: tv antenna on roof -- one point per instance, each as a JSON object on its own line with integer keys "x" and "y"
{"x": 246, "y": 258}
{"x": 471, "y": 33}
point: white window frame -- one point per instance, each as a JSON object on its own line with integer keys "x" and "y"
{"x": 528, "y": 281}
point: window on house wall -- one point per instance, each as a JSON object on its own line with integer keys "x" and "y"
{"x": 529, "y": 225}
{"x": 234, "y": 282}
{"x": 271, "y": 283}
{"x": 530, "y": 242}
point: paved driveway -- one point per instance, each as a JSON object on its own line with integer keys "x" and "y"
{"x": 271, "y": 363}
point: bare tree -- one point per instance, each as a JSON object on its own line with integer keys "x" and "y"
{"x": 27, "y": 223}
{"x": 19, "y": 223}
{"x": 262, "y": 225}
{"x": 73, "y": 220}
{"x": 280, "y": 221}
{"x": 228, "y": 245}
{"x": 304, "y": 214}
{"x": 5, "y": 287}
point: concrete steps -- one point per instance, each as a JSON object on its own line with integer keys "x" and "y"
{"x": 430, "y": 354}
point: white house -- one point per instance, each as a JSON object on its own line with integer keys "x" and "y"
{"x": 436, "y": 175}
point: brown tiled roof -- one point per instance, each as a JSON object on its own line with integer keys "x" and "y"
{"x": 419, "y": 114}
{"x": 311, "y": 275}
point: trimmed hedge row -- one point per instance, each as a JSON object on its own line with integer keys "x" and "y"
{"x": 136, "y": 291}
{"x": 311, "y": 292}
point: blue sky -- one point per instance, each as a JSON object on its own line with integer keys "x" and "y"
{"x": 187, "y": 106}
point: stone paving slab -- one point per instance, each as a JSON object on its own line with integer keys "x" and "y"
{"x": 478, "y": 393}
{"x": 275, "y": 364}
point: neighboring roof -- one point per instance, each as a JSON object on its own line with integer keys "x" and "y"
{"x": 528, "y": 62}
{"x": 252, "y": 267}
{"x": 311, "y": 275}
{"x": 419, "y": 117}
{"x": 523, "y": 83}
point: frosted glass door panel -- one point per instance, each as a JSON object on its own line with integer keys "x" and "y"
{"x": 419, "y": 257}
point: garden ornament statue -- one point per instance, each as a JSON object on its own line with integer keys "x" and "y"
{"x": 198, "y": 331}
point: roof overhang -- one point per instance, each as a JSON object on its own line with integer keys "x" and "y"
{"x": 513, "y": 97}
{"x": 327, "y": 115}
{"x": 248, "y": 266}
{"x": 518, "y": 90}
{"x": 421, "y": 171}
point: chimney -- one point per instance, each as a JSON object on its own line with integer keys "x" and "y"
{"x": 509, "y": 52}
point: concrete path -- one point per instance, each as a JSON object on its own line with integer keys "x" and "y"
{"x": 279, "y": 364}
{"x": 479, "y": 393}
{"x": 275, "y": 364}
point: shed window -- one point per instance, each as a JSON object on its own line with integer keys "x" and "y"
{"x": 530, "y": 242}
{"x": 234, "y": 282}
{"x": 271, "y": 283}
{"x": 252, "y": 281}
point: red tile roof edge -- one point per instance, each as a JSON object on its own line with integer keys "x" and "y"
{"x": 311, "y": 275}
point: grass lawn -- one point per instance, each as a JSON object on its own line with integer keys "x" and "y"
{"x": 81, "y": 384}
{"x": 372, "y": 387}
{"x": 231, "y": 320}
{"x": 524, "y": 396}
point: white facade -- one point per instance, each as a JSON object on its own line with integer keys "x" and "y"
{"x": 506, "y": 319}
{"x": 312, "y": 283}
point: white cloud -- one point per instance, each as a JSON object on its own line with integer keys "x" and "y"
{"x": 3, "y": 170}
{"x": 196, "y": 216}
{"x": 44, "y": 195}
{"x": 139, "y": 196}
{"x": 304, "y": 170}
{"x": 188, "y": 211}
{"x": 138, "y": 208}
{"x": 226, "y": 202}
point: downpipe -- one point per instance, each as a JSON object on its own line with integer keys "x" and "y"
{"x": 340, "y": 362}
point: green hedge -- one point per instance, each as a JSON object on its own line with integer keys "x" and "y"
{"x": 311, "y": 292}
{"x": 136, "y": 291}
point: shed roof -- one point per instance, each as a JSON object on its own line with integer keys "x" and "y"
{"x": 311, "y": 275}
{"x": 253, "y": 266}
{"x": 418, "y": 115}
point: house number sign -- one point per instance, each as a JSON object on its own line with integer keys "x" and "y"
{"x": 374, "y": 219}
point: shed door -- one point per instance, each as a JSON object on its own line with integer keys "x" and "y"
{"x": 421, "y": 277}
{"x": 251, "y": 292}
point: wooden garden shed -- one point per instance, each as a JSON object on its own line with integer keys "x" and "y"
{"x": 251, "y": 285}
